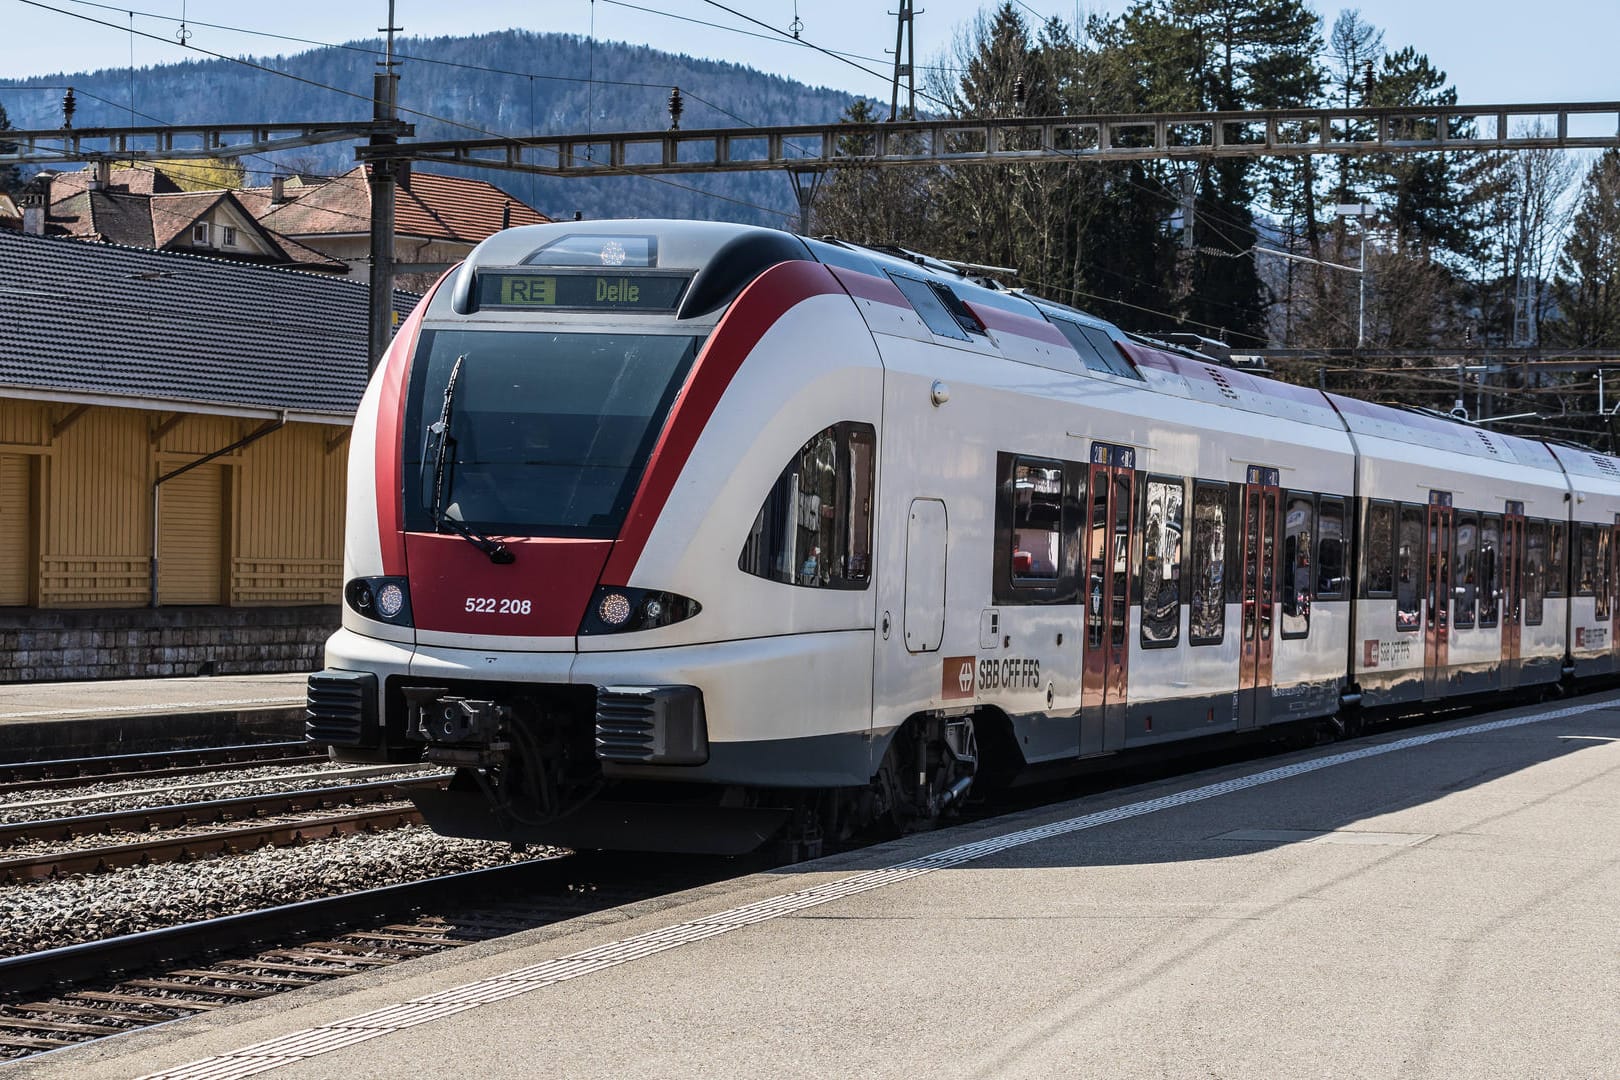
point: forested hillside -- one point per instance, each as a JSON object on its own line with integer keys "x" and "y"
{"x": 541, "y": 85}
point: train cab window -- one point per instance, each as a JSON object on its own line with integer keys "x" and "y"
{"x": 1380, "y": 548}
{"x": 1466, "y": 582}
{"x": 1330, "y": 548}
{"x": 1490, "y": 569}
{"x": 815, "y": 529}
{"x": 1206, "y": 618}
{"x": 1535, "y": 571}
{"x": 1409, "y": 569}
{"x": 1557, "y": 558}
{"x": 1161, "y": 562}
{"x": 935, "y": 315}
{"x": 1585, "y": 560}
{"x": 1299, "y": 521}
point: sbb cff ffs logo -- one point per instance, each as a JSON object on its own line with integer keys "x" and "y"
{"x": 956, "y": 677}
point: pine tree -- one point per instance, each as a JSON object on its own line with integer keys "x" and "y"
{"x": 10, "y": 178}
{"x": 1587, "y": 286}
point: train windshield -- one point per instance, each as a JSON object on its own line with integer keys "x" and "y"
{"x": 543, "y": 434}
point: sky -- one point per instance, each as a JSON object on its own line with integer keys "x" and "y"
{"x": 1495, "y": 51}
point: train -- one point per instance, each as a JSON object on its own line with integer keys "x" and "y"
{"x": 688, "y": 536}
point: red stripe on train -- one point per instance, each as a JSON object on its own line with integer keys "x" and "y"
{"x": 390, "y": 484}
{"x": 765, "y": 301}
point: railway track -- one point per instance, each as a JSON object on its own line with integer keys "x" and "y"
{"x": 203, "y": 829}
{"x": 66, "y": 772}
{"x": 70, "y": 995}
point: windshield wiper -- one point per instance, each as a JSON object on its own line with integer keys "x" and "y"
{"x": 498, "y": 552}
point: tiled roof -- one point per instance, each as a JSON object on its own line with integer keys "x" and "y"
{"x": 146, "y": 181}
{"x": 165, "y": 328}
{"x": 431, "y": 207}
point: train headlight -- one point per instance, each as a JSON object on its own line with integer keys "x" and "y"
{"x": 386, "y": 599}
{"x": 617, "y": 610}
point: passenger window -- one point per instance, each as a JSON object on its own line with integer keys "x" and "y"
{"x": 1037, "y": 518}
{"x": 1298, "y": 521}
{"x": 1161, "y": 562}
{"x": 1604, "y": 590}
{"x": 1557, "y": 558}
{"x": 815, "y": 529}
{"x": 1467, "y": 576}
{"x": 1535, "y": 571}
{"x": 1037, "y": 521}
{"x": 1381, "y": 549}
{"x": 1206, "y": 622}
{"x": 1490, "y": 572}
{"x": 1409, "y": 569}
{"x": 930, "y": 307}
{"x": 1330, "y": 549}
{"x": 1586, "y": 561}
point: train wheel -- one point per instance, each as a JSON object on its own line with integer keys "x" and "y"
{"x": 926, "y": 773}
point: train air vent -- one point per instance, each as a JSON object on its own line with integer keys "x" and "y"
{"x": 341, "y": 709}
{"x": 1486, "y": 439}
{"x": 651, "y": 725}
{"x": 1219, "y": 379}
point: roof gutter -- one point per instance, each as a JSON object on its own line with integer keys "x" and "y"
{"x": 197, "y": 408}
{"x": 254, "y": 436}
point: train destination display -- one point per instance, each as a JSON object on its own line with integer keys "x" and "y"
{"x": 582, "y": 291}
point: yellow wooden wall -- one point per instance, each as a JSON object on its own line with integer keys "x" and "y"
{"x": 90, "y": 476}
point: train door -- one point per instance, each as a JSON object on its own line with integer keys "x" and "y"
{"x": 1262, "y": 524}
{"x": 1105, "y": 676}
{"x": 1512, "y": 590}
{"x": 1437, "y": 604}
{"x": 1612, "y": 585}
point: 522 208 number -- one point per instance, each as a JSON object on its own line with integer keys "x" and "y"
{"x": 499, "y": 605}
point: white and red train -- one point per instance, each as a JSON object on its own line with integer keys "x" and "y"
{"x": 679, "y": 534}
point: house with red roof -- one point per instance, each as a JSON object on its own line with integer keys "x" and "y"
{"x": 438, "y": 219}
{"x": 145, "y": 208}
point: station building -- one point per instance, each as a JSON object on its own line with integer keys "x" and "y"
{"x": 173, "y": 446}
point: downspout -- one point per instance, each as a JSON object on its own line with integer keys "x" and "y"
{"x": 264, "y": 429}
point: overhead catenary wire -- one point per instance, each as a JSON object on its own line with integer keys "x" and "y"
{"x": 367, "y": 98}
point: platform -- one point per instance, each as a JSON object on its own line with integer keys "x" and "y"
{"x": 1434, "y": 902}
{"x": 68, "y": 719}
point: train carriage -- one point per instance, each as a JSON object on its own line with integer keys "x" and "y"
{"x": 680, "y": 535}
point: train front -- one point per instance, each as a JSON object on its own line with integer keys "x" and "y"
{"x": 551, "y": 477}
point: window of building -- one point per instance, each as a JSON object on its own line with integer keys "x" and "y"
{"x": 1161, "y": 561}
{"x": 1330, "y": 548}
{"x": 815, "y": 528}
{"x": 1490, "y": 569}
{"x": 199, "y": 233}
{"x": 227, "y": 236}
{"x": 1535, "y": 571}
{"x": 1467, "y": 574}
{"x": 1557, "y": 558}
{"x": 1409, "y": 569}
{"x": 1381, "y": 549}
{"x": 1206, "y": 621}
{"x": 1299, "y": 521}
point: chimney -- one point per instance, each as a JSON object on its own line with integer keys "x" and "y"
{"x": 402, "y": 173}
{"x": 278, "y": 190}
{"x": 506, "y": 216}
{"x": 34, "y": 220}
{"x": 101, "y": 179}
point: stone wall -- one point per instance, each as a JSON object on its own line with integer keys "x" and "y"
{"x": 58, "y": 645}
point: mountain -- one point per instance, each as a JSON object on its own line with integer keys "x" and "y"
{"x": 540, "y": 85}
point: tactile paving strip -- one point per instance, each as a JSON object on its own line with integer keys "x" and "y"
{"x": 299, "y": 1046}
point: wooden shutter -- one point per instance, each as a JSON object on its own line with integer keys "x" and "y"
{"x": 192, "y": 534}
{"x": 16, "y": 521}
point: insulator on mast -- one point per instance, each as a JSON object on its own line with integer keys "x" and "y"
{"x": 676, "y": 107}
